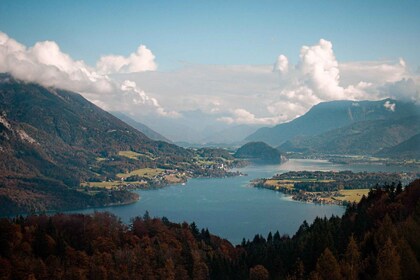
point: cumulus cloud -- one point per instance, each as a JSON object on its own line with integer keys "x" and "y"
{"x": 318, "y": 69}
{"x": 46, "y": 64}
{"x": 405, "y": 89}
{"x": 242, "y": 116}
{"x": 318, "y": 77}
{"x": 281, "y": 65}
{"x": 140, "y": 97}
{"x": 142, "y": 60}
{"x": 270, "y": 94}
{"x": 226, "y": 94}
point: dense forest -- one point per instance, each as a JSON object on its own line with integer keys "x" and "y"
{"x": 375, "y": 239}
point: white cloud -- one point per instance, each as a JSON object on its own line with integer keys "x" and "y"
{"x": 140, "y": 97}
{"x": 389, "y": 106}
{"x": 318, "y": 77}
{"x": 281, "y": 65}
{"x": 46, "y": 64}
{"x": 242, "y": 116}
{"x": 281, "y": 92}
{"x": 142, "y": 60}
{"x": 318, "y": 70}
{"x": 405, "y": 89}
{"x": 235, "y": 94}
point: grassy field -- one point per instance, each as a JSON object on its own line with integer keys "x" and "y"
{"x": 289, "y": 183}
{"x": 352, "y": 195}
{"x": 108, "y": 185}
{"x": 129, "y": 154}
{"x": 174, "y": 179}
{"x": 143, "y": 172}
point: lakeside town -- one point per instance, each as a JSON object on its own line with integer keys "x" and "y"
{"x": 209, "y": 163}
{"x": 330, "y": 187}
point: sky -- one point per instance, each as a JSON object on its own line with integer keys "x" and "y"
{"x": 229, "y": 62}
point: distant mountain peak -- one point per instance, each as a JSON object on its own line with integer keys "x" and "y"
{"x": 152, "y": 134}
{"x": 330, "y": 115}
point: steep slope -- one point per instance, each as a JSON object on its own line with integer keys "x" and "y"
{"x": 52, "y": 139}
{"x": 406, "y": 149}
{"x": 364, "y": 138}
{"x": 141, "y": 127}
{"x": 335, "y": 114}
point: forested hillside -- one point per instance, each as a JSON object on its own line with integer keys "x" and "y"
{"x": 53, "y": 140}
{"x": 375, "y": 239}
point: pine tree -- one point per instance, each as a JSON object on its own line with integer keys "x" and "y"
{"x": 351, "y": 263}
{"x": 388, "y": 262}
{"x": 327, "y": 266}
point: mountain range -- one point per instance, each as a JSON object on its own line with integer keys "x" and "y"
{"x": 349, "y": 128}
{"x": 406, "y": 149}
{"x": 327, "y": 116}
{"x": 360, "y": 138}
{"x": 51, "y": 140}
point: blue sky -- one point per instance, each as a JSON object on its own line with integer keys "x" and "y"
{"x": 212, "y": 65}
{"x": 218, "y": 32}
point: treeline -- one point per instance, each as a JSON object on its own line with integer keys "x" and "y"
{"x": 40, "y": 195}
{"x": 317, "y": 181}
{"x": 375, "y": 239}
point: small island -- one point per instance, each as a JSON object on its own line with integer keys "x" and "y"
{"x": 331, "y": 187}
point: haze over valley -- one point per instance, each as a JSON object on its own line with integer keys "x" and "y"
{"x": 209, "y": 140}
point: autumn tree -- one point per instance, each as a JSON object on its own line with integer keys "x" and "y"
{"x": 258, "y": 272}
{"x": 350, "y": 265}
{"x": 388, "y": 262}
{"x": 327, "y": 266}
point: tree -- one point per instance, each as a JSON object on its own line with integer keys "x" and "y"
{"x": 298, "y": 271}
{"x": 194, "y": 229}
{"x": 388, "y": 262}
{"x": 351, "y": 262}
{"x": 258, "y": 272}
{"x": 146, "y": 216}
{"x": 327, "y": 266}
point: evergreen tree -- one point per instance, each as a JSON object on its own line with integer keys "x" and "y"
{"x": 351, "y": 262}
{"x": 388, "y": 262}
{"x": 327, "y": 266}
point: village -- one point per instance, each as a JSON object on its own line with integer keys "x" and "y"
{"x": 330, "y": 187}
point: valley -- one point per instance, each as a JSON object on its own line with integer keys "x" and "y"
{"x": 201, "y": 140}
{"x": 61, "y": 152}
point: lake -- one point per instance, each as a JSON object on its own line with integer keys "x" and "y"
{"x": 230, "y": 208}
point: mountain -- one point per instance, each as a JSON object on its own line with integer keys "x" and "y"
{"x": 361, "y": 138}
{"x": 331, "y": 115}
{"x": 231, "y": 135}
{"x": 141, "y": 127}
{"x": 51, "y": 140}
{"x": 198, "y": 128}
{"x": 406, "y": 149}
{"x": 259, "y": 151}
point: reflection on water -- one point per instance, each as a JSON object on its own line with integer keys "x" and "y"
{"x": 228, "y": 207}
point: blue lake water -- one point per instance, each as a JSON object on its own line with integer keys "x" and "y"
{"x": 232, "y": 209}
